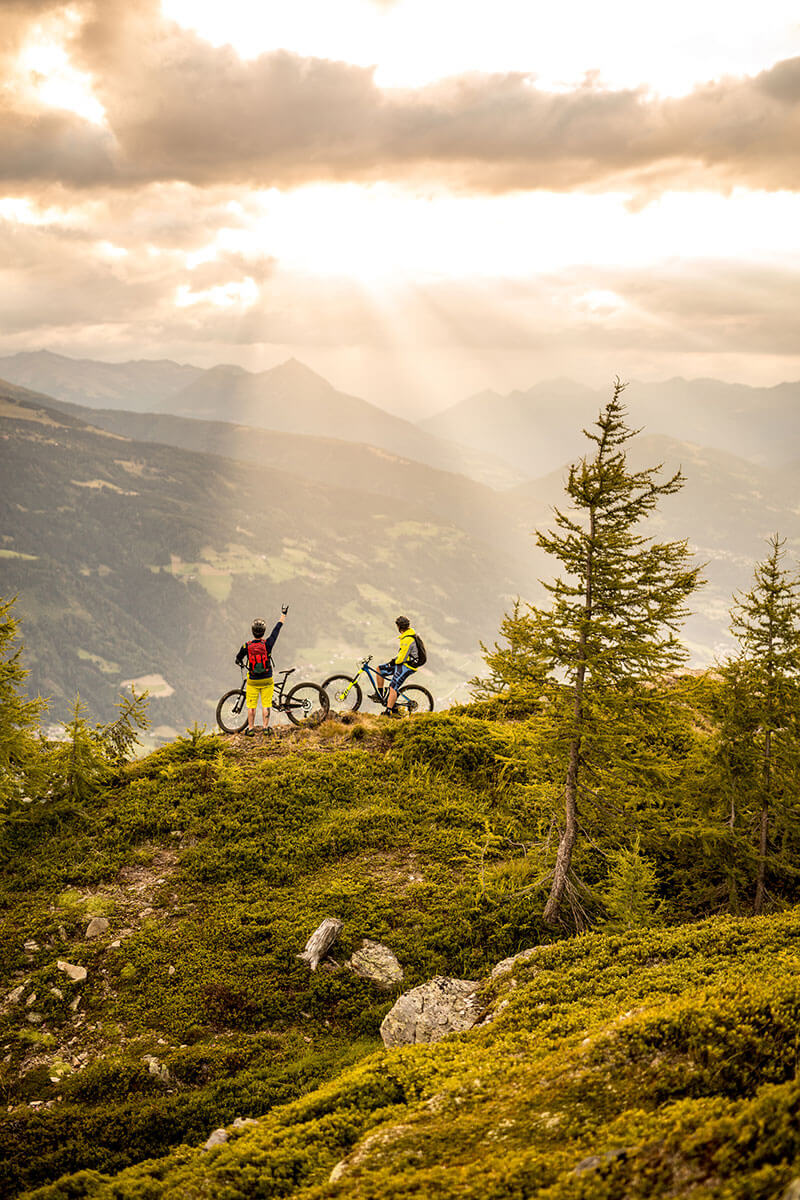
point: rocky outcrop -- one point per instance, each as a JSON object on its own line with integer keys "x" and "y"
{"x": 431, "y": 1011}
{"x": 508, "y": 964}
{"x": 377, "y": 963}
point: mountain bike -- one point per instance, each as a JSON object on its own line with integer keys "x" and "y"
{"x": 304, "y": 704}
{"x": 345, "y": 695}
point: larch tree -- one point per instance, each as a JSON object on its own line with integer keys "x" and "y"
{"x": 612, "y": 625}
{"x": 762, "y": 730}
{"x": 19, "y": 715}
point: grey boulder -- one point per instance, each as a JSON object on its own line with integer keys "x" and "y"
{"x": 431, "y": 1011}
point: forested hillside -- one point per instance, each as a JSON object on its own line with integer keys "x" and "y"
{"x": 136, "y": 560}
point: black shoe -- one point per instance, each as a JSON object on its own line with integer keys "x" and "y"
{"x": 249, "y": 733}
{"x": 376, "y": 697}
{"x": 267, "y": 732}
{"x": 390, "y": 712}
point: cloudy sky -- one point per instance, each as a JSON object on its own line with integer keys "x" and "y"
{"x": 417, "y": 198}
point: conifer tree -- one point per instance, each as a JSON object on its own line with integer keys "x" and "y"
{"x": 516, "y": 665}
{"x": 631, "y": 897}
{"x": 614, "y": 615}
{"x": 761, "y": 732}
{"x": 18, "y": 715}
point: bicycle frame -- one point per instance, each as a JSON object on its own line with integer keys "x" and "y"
{"x": 277, "y": 695}
{"x": 365, "y": 669}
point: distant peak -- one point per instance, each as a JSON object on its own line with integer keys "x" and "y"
{"x": 294, "y": 366}
{"x": 293, "y": 371}
{"x": 227, "y": 369}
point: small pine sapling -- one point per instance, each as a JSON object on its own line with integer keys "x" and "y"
{"x": 759, "y": 742}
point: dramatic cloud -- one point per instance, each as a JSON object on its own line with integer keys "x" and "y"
{"x": 177, "y": 108}
{"x": 182, "y": 262}
{"x": 161, "y": 195}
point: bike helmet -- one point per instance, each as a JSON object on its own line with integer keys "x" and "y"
{"x": 403, "y": 623}
{"x": 259, "y": 627}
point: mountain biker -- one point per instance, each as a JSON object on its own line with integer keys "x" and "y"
{"x": 399, "y": 668}
{"x": 258, "y": 656}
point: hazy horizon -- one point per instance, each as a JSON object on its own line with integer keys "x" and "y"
{"x": 380, "y": 400}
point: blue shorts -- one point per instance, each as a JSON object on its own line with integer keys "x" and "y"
{"x": 398, "y": 674}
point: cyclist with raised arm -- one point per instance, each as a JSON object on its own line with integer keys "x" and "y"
{"x": 257, "y": 653}
{"x": 398, "y": 669}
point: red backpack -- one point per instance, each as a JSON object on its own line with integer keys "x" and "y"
{"x": 258, "y": 658}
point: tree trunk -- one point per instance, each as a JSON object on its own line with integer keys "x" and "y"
{"x": 321, "y": 941}
{"x": 570, "y": 834}
{"x": 568, "y": 838}
{"x": 763, "y": 833}
{"x": 758, "y": 903}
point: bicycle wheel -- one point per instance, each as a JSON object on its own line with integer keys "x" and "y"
{"x": 335, "y": 686}
{"x": 306, "y": 704}
{"x": 414, "y": 699}
{"x": 231, "y": 712}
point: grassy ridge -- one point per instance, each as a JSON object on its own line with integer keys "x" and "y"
{"x": 657, "y": 1063}
{"x": 636, "y": 1066}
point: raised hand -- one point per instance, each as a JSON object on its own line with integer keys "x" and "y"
{"x": 284, "y": 609}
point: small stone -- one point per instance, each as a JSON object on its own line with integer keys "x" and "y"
{"x": 17, "y": 994}
{"x": 376, "y": 963}
{"x": 29, "y": 1003}
{"x": 792, "y": 1190}
{"x": 34, "y": 1018}
{"x": 156, "y": 1068}
{"x": 31, "y": 947}
{"x": 62, "y": 933}
{"x": 97, "y": 927}
{"x": 75, "y": 1004}
{"x": 54, "y": 991}
{"x": 241, "y": 1122}
{"x": 146, "y": 912}
{"x": 171, "y": 970}
{"x": 588, "y": 1164}
{"x": 78, "y": 974}
{"x": 598, "y": 1160}
{"x": 218, "y": 1138}
{"x": 116, "y": 944}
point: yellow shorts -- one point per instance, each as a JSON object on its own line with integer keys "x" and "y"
{"x": 264, "y": 690}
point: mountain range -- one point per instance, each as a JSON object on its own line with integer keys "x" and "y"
{"x": 534, "y": 429}
{"x": 289, "y": 398}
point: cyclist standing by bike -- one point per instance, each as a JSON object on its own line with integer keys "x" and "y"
{"x": 399, "y": 668}
{"x": 258, "y": 656}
